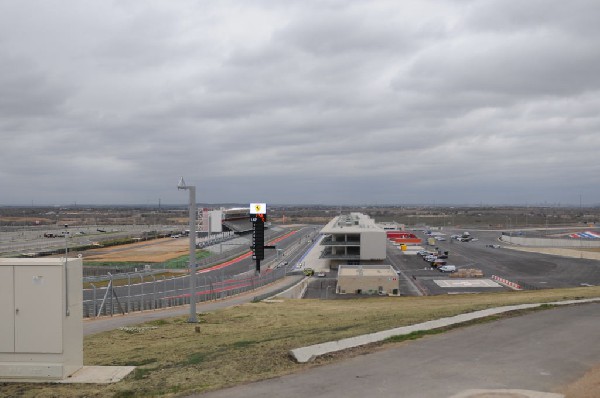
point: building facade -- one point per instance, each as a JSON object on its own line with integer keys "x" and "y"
{"x": 368, "y": 279}
{"x": 353, "y": 239}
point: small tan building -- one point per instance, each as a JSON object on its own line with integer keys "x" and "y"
{"x": 368, "y": 279}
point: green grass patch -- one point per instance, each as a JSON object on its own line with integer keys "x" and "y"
{"x": 243, "y": 343}
{"x": 140, "y": 362}
{"x": 159, "y": 322}
{"x": 184, "y": 261}
{"x": 124, "y": 394}
{"x": 141, "y": 373}
{"x": 413, "y": 336}
{"x": 196, "y": 358}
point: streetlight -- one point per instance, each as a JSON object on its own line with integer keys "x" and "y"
{"x": 192, "y": 212}
{"x": 67, "y": 311}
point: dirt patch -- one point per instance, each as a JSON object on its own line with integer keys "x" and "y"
{"x": 31, "y": 220}
{"x": 154, "y": 251}
{"x": 586, "y": 387}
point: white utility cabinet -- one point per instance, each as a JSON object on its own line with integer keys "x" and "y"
{"x": 41, "y": 321}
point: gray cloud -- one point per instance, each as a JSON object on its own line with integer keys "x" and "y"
{"x": 311, "y": 102}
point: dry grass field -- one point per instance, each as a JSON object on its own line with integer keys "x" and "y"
{"x": 251, "y": 342}
{"x": 152, "y": 251}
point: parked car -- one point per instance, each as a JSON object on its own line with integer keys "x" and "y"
{"x": 438, "y": 263}
{"x": 447, "y": 268}
{"x": 321, "y": 274}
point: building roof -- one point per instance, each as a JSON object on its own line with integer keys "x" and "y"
{"x": 238, "y": 225}
{"x": 366, "y": 270}
{"x": 351, "y": 223}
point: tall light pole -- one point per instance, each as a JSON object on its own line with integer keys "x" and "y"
{"x": 67, "y": 311}
{"x": 192, "y": 213}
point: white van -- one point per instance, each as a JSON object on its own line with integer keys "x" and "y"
{"x": 447, "y": 268}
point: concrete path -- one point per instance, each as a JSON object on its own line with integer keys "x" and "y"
{"x": 526, "y": 356}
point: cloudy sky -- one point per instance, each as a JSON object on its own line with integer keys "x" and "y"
{"x": 330, "y": 101}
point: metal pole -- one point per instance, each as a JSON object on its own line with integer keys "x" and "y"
{"x": 67, "y": 312}
{"x": 192, "y": 226}
{"x": 164, "y": 289}
{"x": 94, "y": 299}
{"x": 192, "y": 318}
{"x": 153, "y": 292}
{"x": 128, "y": 293}
{"x": 110, "y": 291}
{"x": 142, "y": 295}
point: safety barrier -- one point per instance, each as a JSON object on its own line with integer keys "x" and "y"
{"x": 506, "y": 282}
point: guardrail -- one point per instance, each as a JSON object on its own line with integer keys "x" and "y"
{"x": 506, "y": 282}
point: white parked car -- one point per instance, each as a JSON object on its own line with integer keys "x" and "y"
{"x": 447, "y": 268}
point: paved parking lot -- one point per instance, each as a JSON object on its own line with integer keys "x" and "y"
{"x": 530, "y": 270}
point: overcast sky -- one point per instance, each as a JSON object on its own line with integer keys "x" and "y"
{"x": 324, "y": 102}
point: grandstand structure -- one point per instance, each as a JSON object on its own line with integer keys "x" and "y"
{"x": 237, "y": 220}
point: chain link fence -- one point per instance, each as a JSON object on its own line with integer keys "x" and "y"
{"x": 146, "y": 288}
{"x": 139, "y": 294}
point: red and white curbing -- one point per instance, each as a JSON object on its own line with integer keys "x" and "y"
{"x": 506, "y": 282}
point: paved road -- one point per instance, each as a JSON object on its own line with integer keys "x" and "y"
{"x": 540, "y": 351}
{"x": 293, "y": 245}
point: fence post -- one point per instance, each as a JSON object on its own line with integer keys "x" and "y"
{"x": 153, "y": 292}
{"x": 174, "y": 286}
{"x": 111, "y": 294}
{"x": 164, "y": 297}
{"x": 142, "y": 294}
{"x": 128, "y": 291}
{"x": 94, "y": 299}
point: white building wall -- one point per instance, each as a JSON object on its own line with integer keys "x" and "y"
{"x": 373, "y": 245}
{"x": 216, "y": 221}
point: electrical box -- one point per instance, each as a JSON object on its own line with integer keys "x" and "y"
{"x": 41, "y": 318}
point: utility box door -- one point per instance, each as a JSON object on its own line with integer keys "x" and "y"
{"x": 38, "y": 309}
{"x": 7, "y": 310}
